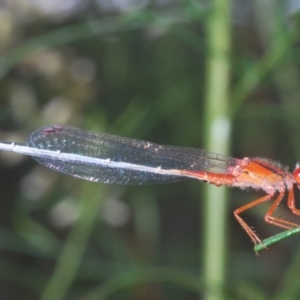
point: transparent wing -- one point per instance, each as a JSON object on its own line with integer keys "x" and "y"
{"x": 121, "y": 150}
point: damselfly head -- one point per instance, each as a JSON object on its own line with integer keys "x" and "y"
{"x": 296, "y": 174}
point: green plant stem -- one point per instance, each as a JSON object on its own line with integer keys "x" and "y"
{"x": 276, "y": 238}
{"x": 217, "y": 127}
{"x": 72, "y": 253}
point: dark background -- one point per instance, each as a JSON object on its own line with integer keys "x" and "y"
{"x": 138, "y": 69}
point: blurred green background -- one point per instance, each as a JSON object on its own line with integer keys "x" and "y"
{"x": 218, "y": 75}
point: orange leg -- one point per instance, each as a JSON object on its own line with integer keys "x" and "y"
{"x": 269, "y": 215}
{"x": 291, "y": 203}
{"x": 280, "y": 222}
{"x": 253, "y": 236}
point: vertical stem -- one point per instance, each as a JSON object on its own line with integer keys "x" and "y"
{"x": 217, "y": 139}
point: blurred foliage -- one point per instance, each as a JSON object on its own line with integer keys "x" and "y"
{"x": 137, "y": 68}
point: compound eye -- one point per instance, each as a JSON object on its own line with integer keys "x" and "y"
{"x": 296, "y": 174}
